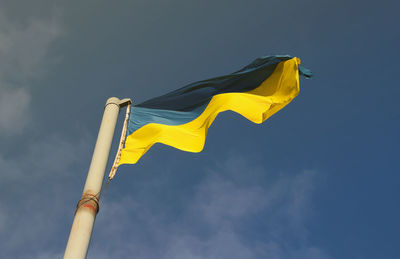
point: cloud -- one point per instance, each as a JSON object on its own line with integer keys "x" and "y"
{"x": 23, "y": 57}
{"x": 228, "y": 216}
{"x": 24, "y": 47}
{"x": 47, "y": 157}
{"x": 34, "y": 195}
{"x": 14, "y": 105}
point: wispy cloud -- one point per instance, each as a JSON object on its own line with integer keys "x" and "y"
{"x": 23, "y": 57}
{"x": 14, "y": 105}
{"x": 33, "y": 198}
{"x": 24, "y": 46}
{"x": 226, "y": 217}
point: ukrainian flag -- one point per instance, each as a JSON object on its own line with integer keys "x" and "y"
{"x": 181, "y": 118}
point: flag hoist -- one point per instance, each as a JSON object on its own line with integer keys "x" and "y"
{"x": 181, "y": 119}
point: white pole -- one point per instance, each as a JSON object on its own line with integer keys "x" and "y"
{"x": 88, "y": 206}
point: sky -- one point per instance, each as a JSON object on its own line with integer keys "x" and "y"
{"x": 318, "y": 180}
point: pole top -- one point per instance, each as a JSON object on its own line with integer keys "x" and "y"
{"x": 120, "y": 103}
{"x": 124, "y": 102}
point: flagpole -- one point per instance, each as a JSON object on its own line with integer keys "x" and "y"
{"x": 88, "y": 206}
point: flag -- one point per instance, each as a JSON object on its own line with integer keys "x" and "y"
{"x": 181, "y": 118}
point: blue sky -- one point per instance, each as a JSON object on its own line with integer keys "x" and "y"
{"x": 318, "y": 180}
